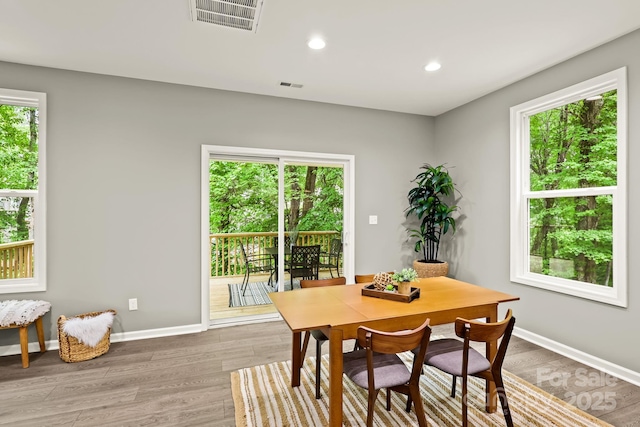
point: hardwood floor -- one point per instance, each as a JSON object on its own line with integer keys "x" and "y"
{"x": 184, "y": 380}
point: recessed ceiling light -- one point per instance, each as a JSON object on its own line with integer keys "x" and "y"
{"x": 433, "y": 66}
{"x": 316, "y": 43}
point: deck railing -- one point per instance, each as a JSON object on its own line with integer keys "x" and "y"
{"x": 226, "y": 255}
{"x": 16, "y": 260}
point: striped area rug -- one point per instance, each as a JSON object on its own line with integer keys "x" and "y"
{"x": 256, "y": 293}
{"x": 263, "y": 396}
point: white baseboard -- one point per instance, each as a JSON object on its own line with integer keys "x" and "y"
{"x": 595, "y": 362}
{"x": 34, "y": 347}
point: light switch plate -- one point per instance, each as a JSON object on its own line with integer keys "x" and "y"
{"x": 373, "y": 219}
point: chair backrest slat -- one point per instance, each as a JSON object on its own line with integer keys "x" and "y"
{"x": 323, "y": 282}
{"x": 305, "y": 255}
{"x": 366, "y": 278}
{"x": 394, "y": 342}
{"x": 480, "y": 331}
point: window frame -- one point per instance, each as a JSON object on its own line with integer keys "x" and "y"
{"x": 38, "y": 282}
{"x": 521, "y": 192}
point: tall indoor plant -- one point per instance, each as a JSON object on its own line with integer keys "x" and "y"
{"x": 426, "y": 202}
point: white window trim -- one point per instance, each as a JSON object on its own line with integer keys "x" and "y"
{"x": 520, "y": 193}
{"x": 38, "y": 282}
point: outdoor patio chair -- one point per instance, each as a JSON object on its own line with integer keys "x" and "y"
{"x": 317, "y": 333}
{"x": 378, "y": 366}
{"x": 332, "y": 257}
{"x": 287, "y": 241}
{"x": 304, "y": 262}
{"x": 256, "y": 263}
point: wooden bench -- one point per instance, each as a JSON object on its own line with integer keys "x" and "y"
{"x": 23, "y": 313}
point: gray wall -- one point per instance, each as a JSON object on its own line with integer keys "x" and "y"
{"x": 475, "y": 138}
{"x": 124, "y": 184}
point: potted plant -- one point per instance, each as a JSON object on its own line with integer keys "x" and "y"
{"x": 403, "y": 279}
{"x": 426, "y": 202}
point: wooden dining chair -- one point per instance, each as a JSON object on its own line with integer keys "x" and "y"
{"x": 317, "y": 333}
{"x": 366, "y": 278}
{"x": 459, "y": 359}
{"x": 378, "y": 366}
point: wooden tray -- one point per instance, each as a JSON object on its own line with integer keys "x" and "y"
{"x": 371, "y": 291}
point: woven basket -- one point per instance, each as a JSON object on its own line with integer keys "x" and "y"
{"x": 72, "y": 350}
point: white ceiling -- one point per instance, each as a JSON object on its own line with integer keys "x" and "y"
{"x": 375, "y": 55}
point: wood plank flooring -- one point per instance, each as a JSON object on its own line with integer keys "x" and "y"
{"x": 184, "y": 380}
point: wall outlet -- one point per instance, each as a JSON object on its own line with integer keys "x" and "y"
{"x": 133, "y": 304}
{"x": 373, "y": 219}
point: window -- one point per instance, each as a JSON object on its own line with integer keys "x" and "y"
{"x": 568, "y": 190}
{"x": 22, "y": 191}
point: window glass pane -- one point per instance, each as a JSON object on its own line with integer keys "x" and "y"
{"x": 22, "y": 191}
{"x": 18, "y": 147}
{"x": 16, "y": 237}
{"x": 572, "y": 238}
{"x": 575, "y": 145}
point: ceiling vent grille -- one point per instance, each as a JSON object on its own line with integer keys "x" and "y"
{"x": 293, "y": 85}
{"x": 239, "y": 14}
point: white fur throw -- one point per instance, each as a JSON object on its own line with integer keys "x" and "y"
{"x": 22, "y": 312}
{"x": 89, "y": 330}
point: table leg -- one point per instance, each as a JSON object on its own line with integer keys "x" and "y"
{"x": 335, "y": 377}
{"x": 491, "y": 349}
{"x": 296, "y": 359}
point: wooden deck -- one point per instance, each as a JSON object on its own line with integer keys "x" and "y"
{"x": 219, "y": 297}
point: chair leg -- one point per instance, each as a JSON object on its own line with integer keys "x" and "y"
{"x": 371, "y": 401}
{"x": 305, "y": 344}
{"x": 465, "y": 423}
{"x": 24, "y": 345}
{"x": 245, "y": 282}
{"x": 388, "y": 399}
{"x": 318, "y": 366}
{"x": 414, "y": 390}
{"x": 502, "y": 394}
{"x": 453, "y": 386}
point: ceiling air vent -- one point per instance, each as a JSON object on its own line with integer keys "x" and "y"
{"x": 239, "y": 14}
{"x": 293, "y": 85}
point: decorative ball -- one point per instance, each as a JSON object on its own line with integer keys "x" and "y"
{"x": 381, "y": 280}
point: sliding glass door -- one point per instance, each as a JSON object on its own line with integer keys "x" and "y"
{"x": 313, "y": 217}
{"x": 256, "y": 206}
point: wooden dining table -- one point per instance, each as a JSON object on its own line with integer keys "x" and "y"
{"x": 340, "y": 310}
